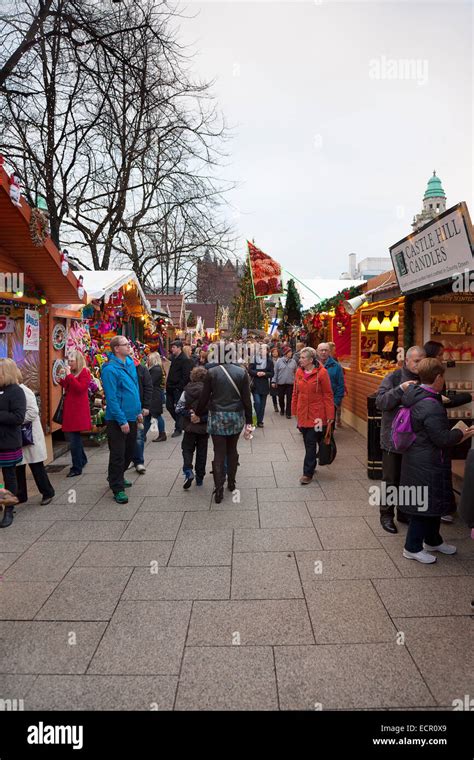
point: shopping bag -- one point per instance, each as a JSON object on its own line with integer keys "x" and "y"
{"x": 327, "y": 448}
{"x": 27, "y": 434}
{"x": 58, "y": 414}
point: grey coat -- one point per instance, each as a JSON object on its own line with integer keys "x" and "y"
{"x": 285, "y": 370}
{"x": 388, "y": 400}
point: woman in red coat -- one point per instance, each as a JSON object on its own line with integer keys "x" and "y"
{"x": 313, "y": 406}
{"x": 76, "y": 411}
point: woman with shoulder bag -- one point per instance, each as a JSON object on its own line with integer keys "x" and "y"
{"x": 155, "y": 366}
{"x": 12, "y": 415}
{"x": 313, "y": 406}
{"x": 76, "y": 409}
{"x": 34, "y": 451}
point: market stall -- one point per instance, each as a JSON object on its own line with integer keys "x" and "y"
{"x": 33, "y": 277}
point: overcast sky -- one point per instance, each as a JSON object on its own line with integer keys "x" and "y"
{"x": 331, "y": 152}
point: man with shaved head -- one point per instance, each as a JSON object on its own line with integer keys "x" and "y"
{"x": 388, "y": 402}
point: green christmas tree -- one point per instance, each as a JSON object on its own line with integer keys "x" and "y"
{"x": 292, "y": 313}
{"x": 247, "y": 311}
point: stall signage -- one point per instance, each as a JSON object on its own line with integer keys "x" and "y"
{"x": 11, "y": 311}
{"x": 31, "y": 333}
{"x": 7, "y": 325}
{"x": 439, "y": 251}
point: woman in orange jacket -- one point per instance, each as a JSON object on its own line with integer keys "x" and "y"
{"x": 313, "y": 406}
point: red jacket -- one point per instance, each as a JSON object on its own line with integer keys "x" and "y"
{"x": 313, "y": 399}
{"x": 76, "y": 412}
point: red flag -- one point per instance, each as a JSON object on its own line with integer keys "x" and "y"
{"x": 266, "y": 272}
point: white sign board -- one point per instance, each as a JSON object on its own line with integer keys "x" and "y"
{"x": 31, "y": 335}
{"x": 437, "y": 252}
{"x": 7, "y": 325}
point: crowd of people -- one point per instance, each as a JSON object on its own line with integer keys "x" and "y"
{"x": 208, "y": 391}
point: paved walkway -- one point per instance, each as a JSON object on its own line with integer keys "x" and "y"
{"x": 290, "y": 599}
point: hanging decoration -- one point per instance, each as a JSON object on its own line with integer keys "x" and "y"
{"x": 80, "y": 287}
{"x": 58, "y": 371}
{"x": 15, "y": 193}
{"x": 59, "y": 337}
{"x": 64, "y": 262}
{"x": 39, "y": 227}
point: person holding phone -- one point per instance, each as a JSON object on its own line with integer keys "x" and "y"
{"x": 76, "y": 410}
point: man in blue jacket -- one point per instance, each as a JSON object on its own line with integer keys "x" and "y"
{"x": 123, "y": 411}
{"x": 336, "y": 374}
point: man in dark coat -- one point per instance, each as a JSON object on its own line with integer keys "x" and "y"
{"x": 389, "y": 396}
{"x": 195, "y": 436}
{"x": 145, "y": 386}
{"x": 178, "y": 377}
{"x": 426, "y": 487}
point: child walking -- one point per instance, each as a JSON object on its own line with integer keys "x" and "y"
{"x": 195, "y": 433}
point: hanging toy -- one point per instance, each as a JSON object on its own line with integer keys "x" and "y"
{"x": 15, "y": 194}
{"x": 80, "y": 287}
{"x": 64, "y": 262}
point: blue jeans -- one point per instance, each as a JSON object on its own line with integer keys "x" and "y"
{"x": 78, "y": 455}
{"x": 260, "y": 401}
{"x": 138, "y": 457}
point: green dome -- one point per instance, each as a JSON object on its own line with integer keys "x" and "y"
{"x": 434, "y": 189}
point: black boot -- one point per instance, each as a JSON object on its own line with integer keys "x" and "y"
{"x": 7, "y": 517}
{"x": 386, "y": 521}
{"x": 219, "y": 478}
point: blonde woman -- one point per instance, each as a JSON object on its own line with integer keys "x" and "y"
{"x": 155, "y": 366}
{"x": 35, "y": 454}
{"x": 12, "y": 415}
{"x": 76, "y": 412}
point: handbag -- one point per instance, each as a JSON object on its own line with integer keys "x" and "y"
{"x": 58, "y": 414}
{"x": 327, "y": 448}
{"x": 27, "y": 434}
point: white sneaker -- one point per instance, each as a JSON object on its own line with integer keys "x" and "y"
{"x": 444, "y": 548}
{"x": 447, "y": 518}
{"x": 141, "y": 469}
{"x": 424, "y": 557}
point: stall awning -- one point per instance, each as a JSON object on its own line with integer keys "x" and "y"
{"x": 40, "y": 264}
{"x": 102, "y": 283}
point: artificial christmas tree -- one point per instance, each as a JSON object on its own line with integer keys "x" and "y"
{"x": 247, "y": 311}
{"x": 293, "y": 304}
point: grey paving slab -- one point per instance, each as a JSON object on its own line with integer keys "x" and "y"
{"x": 427, "y": 597}
{"x": 319, "y": 566}
{"x": 238, "y": 518}
{"x": 202, "y": 547}
{"x": 344, "y": 490}
{"x": 442, "y": 650}
{"x": 80, "y": 496}
{"x": 7, "y": 559}
{"x": 90, "y": 692}
{"x": 45, "y": 647}
{"x": 125, "y": 554}
{"x": 153, "y": 526}
{"x": 45, "y": 561}
{"x": 183, "y": 502}
{"x": 292, "y": 493}
{"x": 275, "y": 539}
{"x": 21, "y": 601}
{"x": 348, "y": 677}
{"x": 265, "y": 575}
{"x": 22, "y": 533}
{"x": 155, "y": 486}
{"x": 240, "y": 499}
{"x": 16, "y": 688}
{"x": 52, "y": 512}
{"x": 86, "y": 593}
{"x": 106, "y": 509}
{"x": 85, "y": 530}
{"x": 348, "y": 612}
{"x": 253, "y": 469}
{"x": 285, "y": 514}
{"x": 465, "y": 546}
{"x": 248, "y": 623}
{"x": 154, "y": 646}
{"x": 343, "y": 533}
{"x": 345, "y": 508}
{"x": 175, "y": 583}
{"x": 227, "y": 678}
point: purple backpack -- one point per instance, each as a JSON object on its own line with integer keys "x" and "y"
{"x": 402, "y": 432}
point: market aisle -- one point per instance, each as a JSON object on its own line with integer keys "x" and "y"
{"x": 290, "y": 599}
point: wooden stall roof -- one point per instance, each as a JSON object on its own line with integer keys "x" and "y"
{"x": 386, "y": 285}
{"x": 40, "y": 264}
